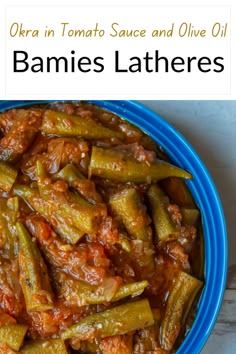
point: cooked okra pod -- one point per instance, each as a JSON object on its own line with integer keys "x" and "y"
{"x": 69, "y": 174}
{"x": 13, "y": 335}
{"x": 68, "y": 125}
{"x": 165, "y": 228}
{"x": 34, "y": 278}
{"x": 83, "y": 215}
{"x": 189, "y": 216}
{"x": 44, "y": 346}
{"x": 20, "y": 135}
{"x": 50, "y": 210}
{"x": 117, "y": 320}
{"x": 76, "y": 180}
{"x": 119, "y": 167}
{"x": 67, "y": 232}
{"x": 8, "y": 176}
{"x": 180, "y": 300}
{"x": 9, "y": 211}
{"x": 127, "y": 205}
{"x": 78, "y": 293}
{"x": 86, "y": 216}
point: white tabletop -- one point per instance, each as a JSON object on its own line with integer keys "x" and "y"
{"x": 210, "y": 127}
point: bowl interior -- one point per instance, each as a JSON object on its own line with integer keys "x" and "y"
{"x": 207, "y": 199}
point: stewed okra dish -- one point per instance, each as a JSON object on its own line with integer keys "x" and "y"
{"x": 100, "y": 238}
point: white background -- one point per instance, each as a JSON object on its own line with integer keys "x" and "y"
{"x": 109, "y": 84}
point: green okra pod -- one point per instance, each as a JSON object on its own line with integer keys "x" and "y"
{"x": 120, "y": 167}
{"x": 86, "y": 216}
{"x": 127, "y": 205}
{"x": 9, "y": 212}
{"x": 20, "y": 135}
{"x": 131, "y": 289}
{"x": 13, "y": 335}
{"x": 83, "y": 215}
{"x": 190, "y": 216}
{"x": 62, "y": 227}
{"x": 77, "y": 181}
{"x": 78, "y": 293}
{"x": 117, "y": 320}
{"x": 8, "y": 176}
{"x": 69, "y": 174}
{"x": 34, "y": 278}
{"x": 90, "y": 347}
{"x": 44, "y": 346}
{"x": 165, "y": 228}
{"x": 146, "y": 340}
{"x": 180, "y": 300}
{"x": 59, "y": 123}
{"x": 25, "y": 192}
{"x": 50, "y": 210}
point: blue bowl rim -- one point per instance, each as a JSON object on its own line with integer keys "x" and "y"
{"x": 214, "y": 226}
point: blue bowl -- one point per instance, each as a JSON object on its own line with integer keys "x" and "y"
{"x": 205, "y": 195}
